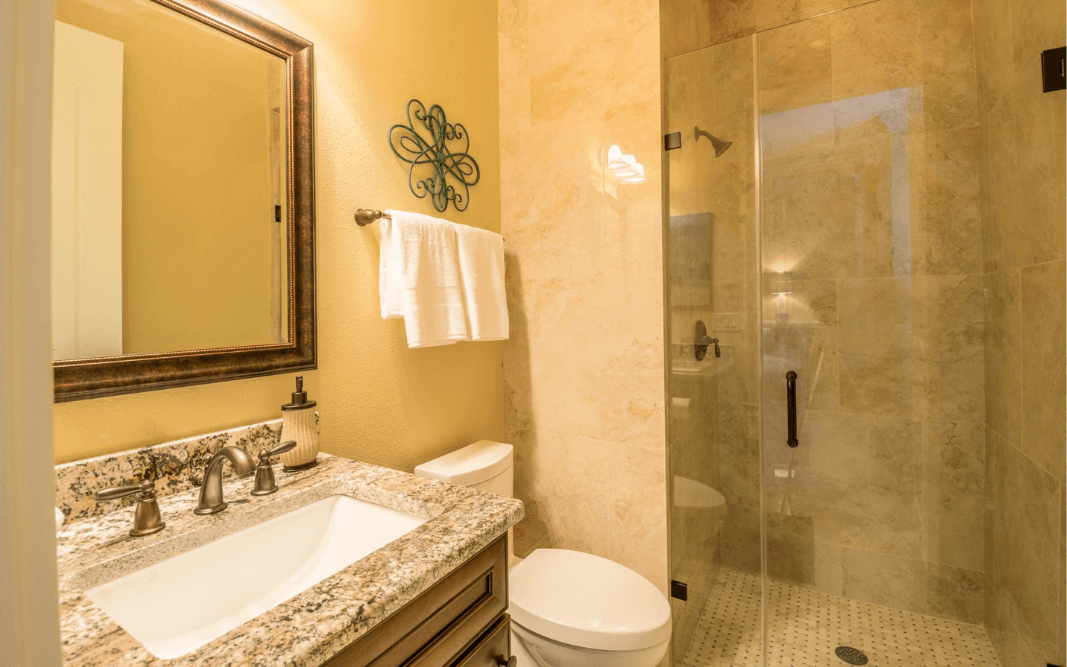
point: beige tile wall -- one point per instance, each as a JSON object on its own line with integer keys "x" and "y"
{"x": 583, "y": 370}
{"x": 1023, "y": 190}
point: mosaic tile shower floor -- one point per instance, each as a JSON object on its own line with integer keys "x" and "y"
{"x": 806, "y": 626}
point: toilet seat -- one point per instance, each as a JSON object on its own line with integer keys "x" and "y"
{"x": 533, "y": 650}
{"x": 587, "y": 601}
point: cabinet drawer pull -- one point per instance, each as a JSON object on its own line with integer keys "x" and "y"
{"x": 501, "y": 661}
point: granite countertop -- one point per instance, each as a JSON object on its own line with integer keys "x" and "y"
{"x": 313, "y": 626}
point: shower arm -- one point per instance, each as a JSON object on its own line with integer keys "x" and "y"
{"x": 717, "y": 144}
{"x": 701, "y": 133}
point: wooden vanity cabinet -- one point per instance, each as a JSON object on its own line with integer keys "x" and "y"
{"x": 459, "y": 622}
{"x": 492, "y": 650}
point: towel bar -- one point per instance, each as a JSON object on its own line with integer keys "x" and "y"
{"x": 366, "y": 216}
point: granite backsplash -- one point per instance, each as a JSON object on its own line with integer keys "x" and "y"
{"x": 175, "y": 466}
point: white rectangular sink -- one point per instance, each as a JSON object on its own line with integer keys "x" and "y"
{"x": 180, "y": 604}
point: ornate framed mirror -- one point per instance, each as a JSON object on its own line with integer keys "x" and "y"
{"x": 183, "y": 218}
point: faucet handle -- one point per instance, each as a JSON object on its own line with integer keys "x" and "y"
{"x": 116, "y": 492}
{"x": 265, "y": 454}
{"x": 265, "y": 484}
{"x": 146, "y": 517}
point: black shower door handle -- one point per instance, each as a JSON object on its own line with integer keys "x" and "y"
{"x": 791, "y": 409}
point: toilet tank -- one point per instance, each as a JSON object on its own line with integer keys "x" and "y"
{"x": 484, "y": 465}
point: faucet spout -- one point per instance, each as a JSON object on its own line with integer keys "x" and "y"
{"x": 211, "y": 501}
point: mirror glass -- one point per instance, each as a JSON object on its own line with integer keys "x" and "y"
{"x": 170, "y": 220}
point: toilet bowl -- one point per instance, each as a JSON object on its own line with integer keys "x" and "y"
{"x": 568, "y": 608}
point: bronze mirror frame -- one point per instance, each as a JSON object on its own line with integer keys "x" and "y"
{"x": 78, "y": 379}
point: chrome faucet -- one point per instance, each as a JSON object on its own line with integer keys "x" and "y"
{"x": 211, "y": 500}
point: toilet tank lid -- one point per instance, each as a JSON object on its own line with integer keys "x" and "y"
{"x": 472, "y": 464}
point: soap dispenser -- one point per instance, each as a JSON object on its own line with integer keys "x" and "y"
{"x": 298, "y": 423}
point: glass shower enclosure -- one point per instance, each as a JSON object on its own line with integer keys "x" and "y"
{"x": 848, "y": 276}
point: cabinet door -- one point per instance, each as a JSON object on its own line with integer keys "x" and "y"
{"x": 492, "y": 650}
{"x": 440, "y": 624}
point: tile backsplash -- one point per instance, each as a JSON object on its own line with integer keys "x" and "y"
{"x": 175, "y": 466}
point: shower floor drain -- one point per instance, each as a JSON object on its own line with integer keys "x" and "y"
{"x": 852, "y": 656}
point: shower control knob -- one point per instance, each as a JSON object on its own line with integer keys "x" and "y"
{"x": 501, "y": 661}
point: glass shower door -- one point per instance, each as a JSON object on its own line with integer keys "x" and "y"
{"x": 712, "y": 318}
{"x": 865, "y": 318}
{"x": 872, "y": 294}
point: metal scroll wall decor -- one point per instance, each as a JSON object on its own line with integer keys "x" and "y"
{"x": 430, "y": 141}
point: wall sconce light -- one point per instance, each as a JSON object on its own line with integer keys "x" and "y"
{"x": 629, "y": 170}
{"x": 625, "y": 166}
{"x": 616, "y": 160}
{"x": 780, "y": 287}
{"x": 638, "y": 175}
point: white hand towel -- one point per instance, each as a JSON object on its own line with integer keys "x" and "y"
{"x": 427, "y": 268}
{"x": 481, "y": 269}
{"x": 390, "y": 284}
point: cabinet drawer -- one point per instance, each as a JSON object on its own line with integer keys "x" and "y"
{"x": 492, "y": 650}
{"x": 432, "y": 629}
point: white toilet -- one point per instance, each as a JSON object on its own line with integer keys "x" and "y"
{"x": 568, "y": 608}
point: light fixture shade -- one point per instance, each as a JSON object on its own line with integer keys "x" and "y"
{"x": 615, "y": 156}
{"x": 630, "y": 168}
{"x": 638, "y": 175}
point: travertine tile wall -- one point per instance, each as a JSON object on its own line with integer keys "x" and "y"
{"x": 584, "y": 368}
{"x": 1023, "y": 188}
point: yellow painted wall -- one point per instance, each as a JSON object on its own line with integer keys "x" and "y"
{"x": 196, "y": 206}
{"x": 379, "y": 401}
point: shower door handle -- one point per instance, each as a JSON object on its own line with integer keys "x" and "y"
{"x": 791, "y": 408}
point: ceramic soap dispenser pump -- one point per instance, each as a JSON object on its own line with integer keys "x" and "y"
{"x": 298, "y": 423}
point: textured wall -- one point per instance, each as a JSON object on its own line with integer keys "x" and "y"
{"x": 1025, "y": 245}
{"x": 583, "y": 371}
{"x": 379, "y": 401}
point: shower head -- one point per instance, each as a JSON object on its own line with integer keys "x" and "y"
{"x": 718, "y": 144}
